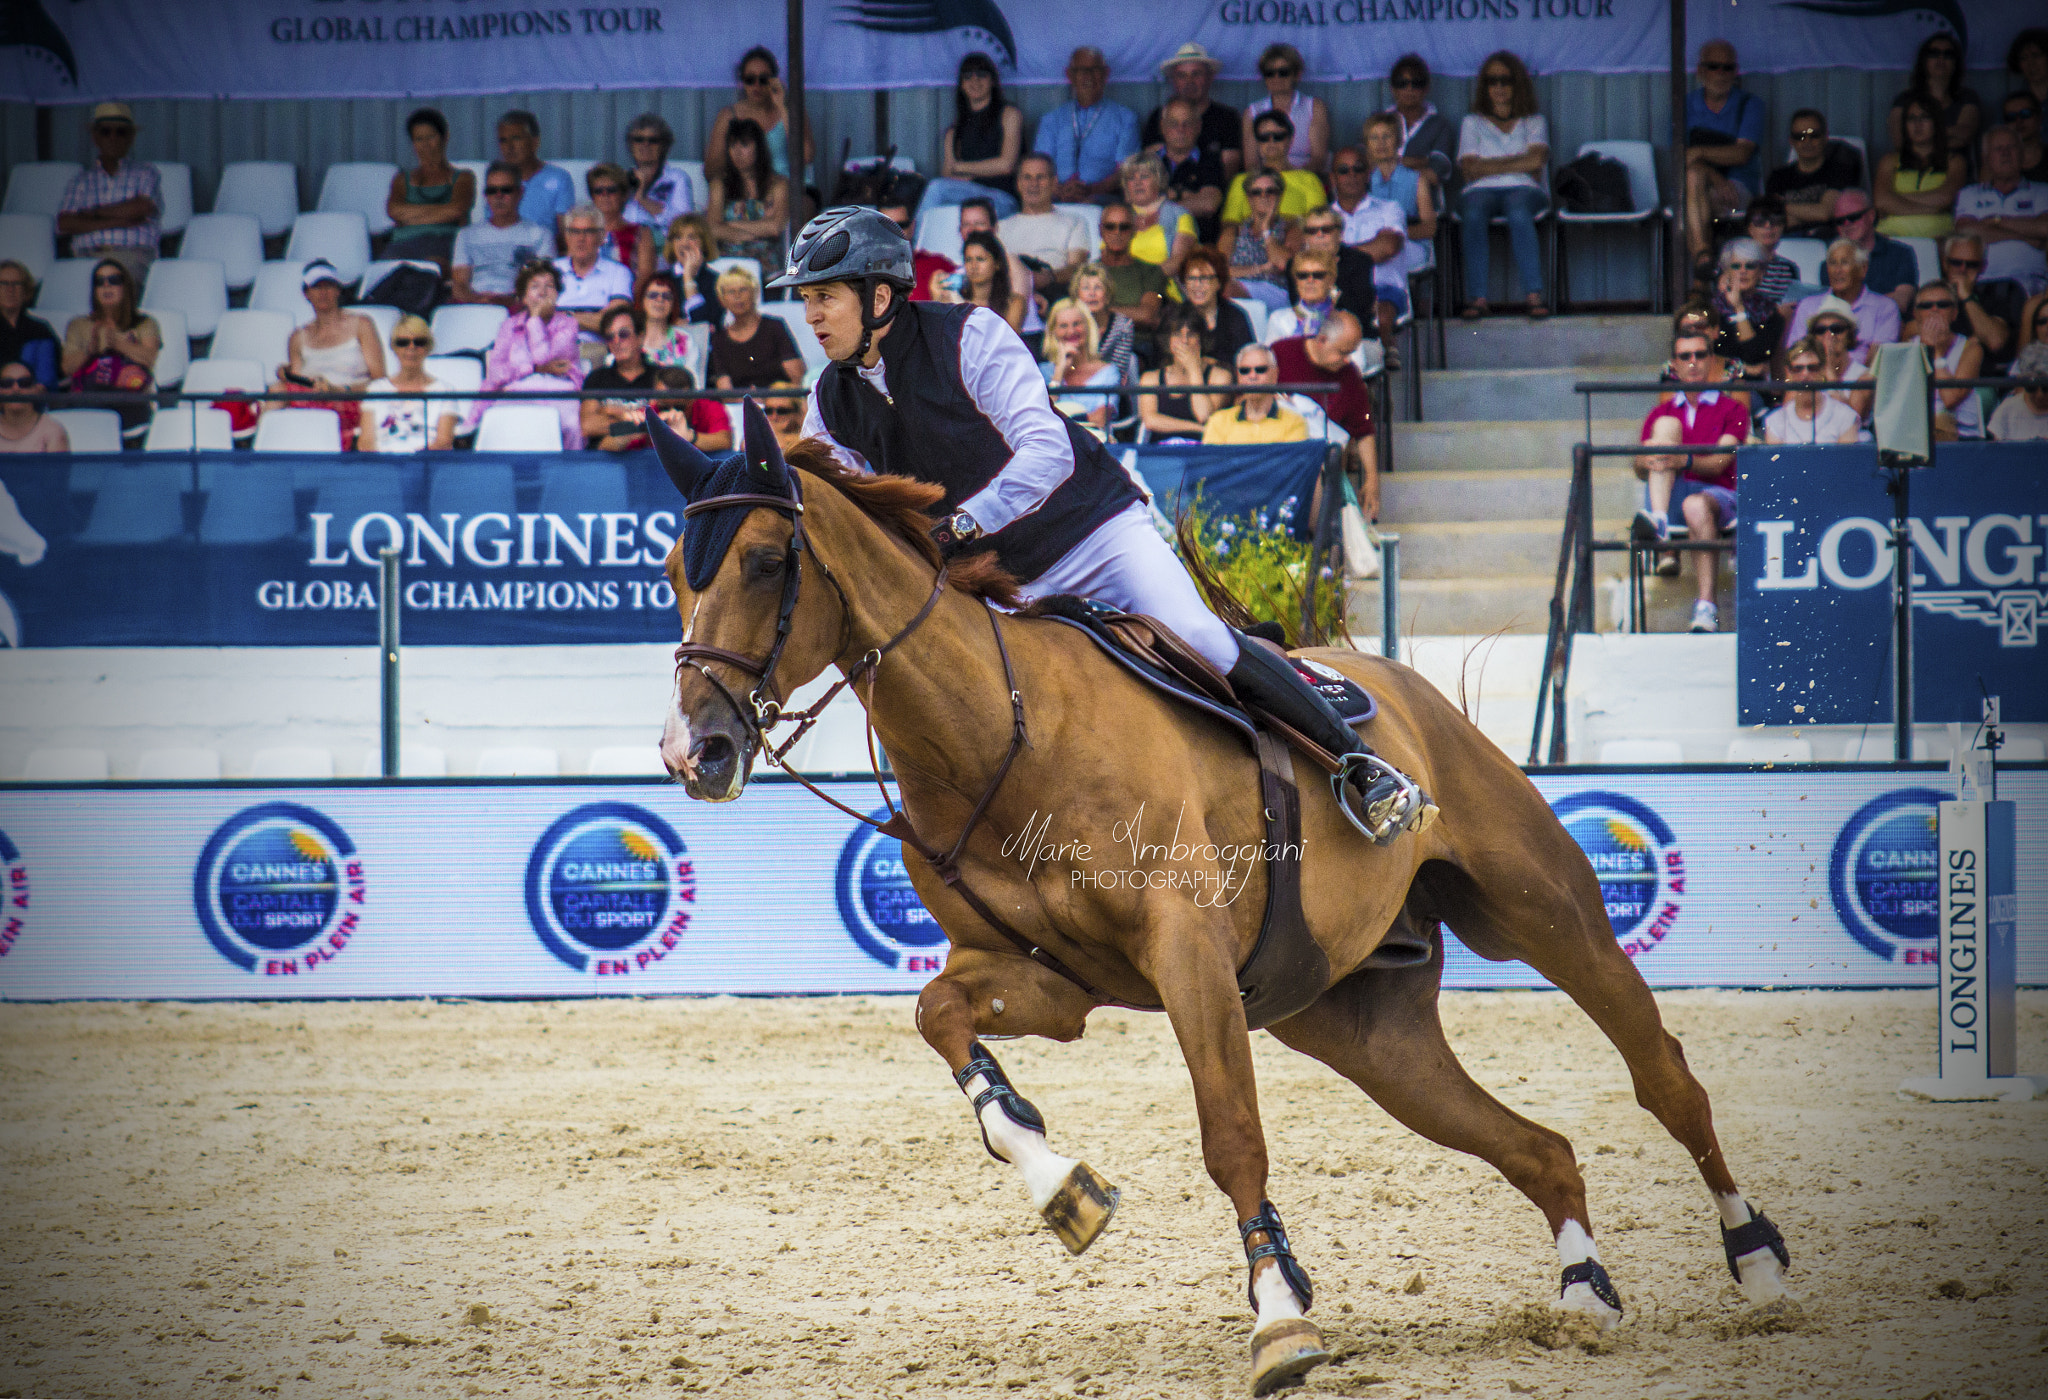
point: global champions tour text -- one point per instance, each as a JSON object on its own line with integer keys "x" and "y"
{"x": 611, "y": 540}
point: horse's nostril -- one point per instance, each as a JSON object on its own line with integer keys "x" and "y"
{"x": 713, "y": 750}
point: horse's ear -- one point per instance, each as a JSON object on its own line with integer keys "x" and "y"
{"x": 688, "y": 468}
{"x": 764, "y": 453}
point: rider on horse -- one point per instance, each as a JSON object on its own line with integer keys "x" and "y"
{"x": 948, "y": 394}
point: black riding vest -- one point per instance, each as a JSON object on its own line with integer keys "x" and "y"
{"x": 933, "y": 431}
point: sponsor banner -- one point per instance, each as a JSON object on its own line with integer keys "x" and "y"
{"x": 82, "y": 50}
{"x": 221, "y": 549}
{"x": 1814, "y": 565}
{"x": 1797, "y": 878}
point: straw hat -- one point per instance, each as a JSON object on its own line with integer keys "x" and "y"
{"x": 1190, "y": 52}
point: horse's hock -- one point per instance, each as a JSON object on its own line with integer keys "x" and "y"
{"x": 764, "y": 1198}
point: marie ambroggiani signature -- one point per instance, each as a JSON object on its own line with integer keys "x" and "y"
{"x": 1215, "y": 872}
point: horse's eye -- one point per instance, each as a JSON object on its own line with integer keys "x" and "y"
{"x": 765, "y": 564}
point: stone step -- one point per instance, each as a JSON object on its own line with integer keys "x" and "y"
{"x": 1517, "y": 603}
{"x": 1515, "y": 342}
{"x": 1476, "y": 549}
{"x": 1523, "y": 395}
{"x": 1534, "y": 494}
{"x": 1478, "y": 444}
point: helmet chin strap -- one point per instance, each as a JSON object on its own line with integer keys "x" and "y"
{"x": 869, "y": 321}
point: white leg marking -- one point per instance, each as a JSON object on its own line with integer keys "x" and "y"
{"x": 1761, "y": 1276}
{"x": 1575, "y": 1246}
{"x": 1276, "y": 1301}
{"x": 1044, "y": 1170}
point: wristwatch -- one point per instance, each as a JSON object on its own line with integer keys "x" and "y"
{"x": 957, "y": 528}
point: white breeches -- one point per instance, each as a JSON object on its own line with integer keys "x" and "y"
{"x": 1126, "y": 564}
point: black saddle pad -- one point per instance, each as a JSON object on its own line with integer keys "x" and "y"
{"x": 1092, "y": 616}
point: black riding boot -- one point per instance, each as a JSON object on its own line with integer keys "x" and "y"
{"x": 1390, "y": 803}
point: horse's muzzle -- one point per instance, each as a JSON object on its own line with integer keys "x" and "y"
{"x": 711, "y": 757}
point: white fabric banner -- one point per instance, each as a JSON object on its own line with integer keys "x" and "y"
{"x": 83, "y": 50}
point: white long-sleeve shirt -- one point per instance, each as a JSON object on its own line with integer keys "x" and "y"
{"x": 1004, "y": 382}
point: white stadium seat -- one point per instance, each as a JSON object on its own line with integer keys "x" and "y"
{"x": 476, "y": 168}
{"x": 700, "y": 187}
{"x": 66, "y": 766}
{"x": 292, "y": 762}
{"x": 385, "y": 319}
{"x": 235, "y": 241}
{"x": 90, "y": 429}
{"x": 277, "y": 288}
{"x": 518, "y": 761}
{"x": 262, "y": 336}
{"x": 269, "y": 189}
{"x": 340, "y": 236}
{"x": 791, "y": 314}
{"x": 31, "y": 240}
{"x": 1807, "y": 255}
{"x": 37, "y": 186}
{"x": 361, "y": 185}
{"x": 67, "y": 285}
{"x": 177, "y": 352}
{"x": 196, "y": 287}
{"x": 184, "y": 427}
{"x": 577, "y": 169}
{"x": 299, "y": 430}
{"x": 1091, "y": 215}
{"x": 178, "y": 765}
{"x": 175, "y": 181}
{"x": 458, "y": 328}
{"x": 519, "y": 427}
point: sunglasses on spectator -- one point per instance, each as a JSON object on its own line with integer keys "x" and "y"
{"x": 1804, "y": 367}
{"x": 509, "y": 191}
{"x": 1505, "y": 80}
{"x": 1264, "y": 192}
{"x": 1349, "y": 169}
{"x": 1716, "y": 66}
{"x": 1967, "y": 264}
{"x": 1321, "y": 228}
{"x": 1745, "y": 266}
{"x": 1198, "y": 277}
{"x": 1278, "y": 70}
{"x": 1831, "y": 328}
{"x": 652, "y": 292}
{"x": 1118, "y": 227}
{"x": 1934, "y": 306}
{"x": 1690, "y": 355}
{"x": 790, "y": 412}
{"x": 2020, "y": 114}
{"x": 411, "y": 342}
{"x": 15, "y": 282}
{"x": 599, "y": 191}
{"x": 644, "y": 138}
{"x": 1945, "y": 52}
{"x": 756, "y": 79}
{"x": 111, "y": 279}
{"x": 575, "y": 229}
{"x": 1810, "y": 134}
{"x": 1247, "y": 371}
{"x": 1408, "y": 83}
{"x": 17, "y": 382}
{"x": 1852, "y": 218}
{"x": 622, "y": 333}
{"x": 112, "y": 129}
{"x": 1267, "y": 138}
{"x": 1309, "y": 274}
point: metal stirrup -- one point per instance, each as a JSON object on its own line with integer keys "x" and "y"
{"x": 1411, "y": 807}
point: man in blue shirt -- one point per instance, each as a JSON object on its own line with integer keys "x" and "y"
{"x": 550, "y": 192}
{"x": 1724, "y": 130}
{"x": 1087, "y": 137}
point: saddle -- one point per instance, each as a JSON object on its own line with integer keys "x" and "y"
{"x": 1287, "y": 970}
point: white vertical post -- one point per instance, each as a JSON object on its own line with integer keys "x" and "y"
{"x": 1978, "y": 965}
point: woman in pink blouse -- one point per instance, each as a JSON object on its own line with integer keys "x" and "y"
{"x": 536, "y": 349}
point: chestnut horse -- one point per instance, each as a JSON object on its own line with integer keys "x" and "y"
{"x": 805, "y": 565}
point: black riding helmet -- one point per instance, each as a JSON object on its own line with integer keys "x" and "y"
{"x": 858, "y": 246}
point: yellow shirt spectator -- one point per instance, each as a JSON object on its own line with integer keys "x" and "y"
{"x": 1300, "y": 191}
{"x": 1230, "y": 428}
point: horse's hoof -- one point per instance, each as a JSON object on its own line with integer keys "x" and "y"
{"x": 1284, "y": 1352}
{"x": 1080, "y": 1210}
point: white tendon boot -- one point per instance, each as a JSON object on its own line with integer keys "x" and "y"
{"x": 1586, "y": 1288}
{"x": 1756, "y": 1251}
{"x": 1074, "y": 1202}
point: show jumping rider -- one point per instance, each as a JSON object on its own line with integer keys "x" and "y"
{"x": 949, "y": 394}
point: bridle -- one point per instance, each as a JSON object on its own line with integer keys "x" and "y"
{"x": 762, "y": 711}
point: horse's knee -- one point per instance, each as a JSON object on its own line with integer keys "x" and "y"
{"x": 945, "y": 1016}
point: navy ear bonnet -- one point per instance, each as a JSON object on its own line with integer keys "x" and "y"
{"x": 758, "y": 471}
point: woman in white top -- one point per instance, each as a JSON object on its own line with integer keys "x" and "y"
{"x": 400, "y": 425}
{"x": 1807, "y": 415}
{"x": 1503, "y": 149}
{"x": 337, "y": 352}
{"x": 1280, "y": 66}
{"x": 1957, "y": 414}
{"x": 1833, "y": 329}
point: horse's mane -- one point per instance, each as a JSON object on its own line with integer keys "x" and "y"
{"x": 903, "y": 506}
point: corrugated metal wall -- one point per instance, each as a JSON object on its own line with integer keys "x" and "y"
{"x": 1580, "y": 106}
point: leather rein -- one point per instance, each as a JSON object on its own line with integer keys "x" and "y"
{"x": 762, "y": 710}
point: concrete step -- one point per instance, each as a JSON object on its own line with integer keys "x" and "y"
{"x": 1478, "y": 444}
{"x": 1476, "y": 549}
{"x": 1517, "y": 603}
{"x": 1535, "y": 494}
{"x": 1522, "y": 395}
{"x": 1515, "y": 342}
